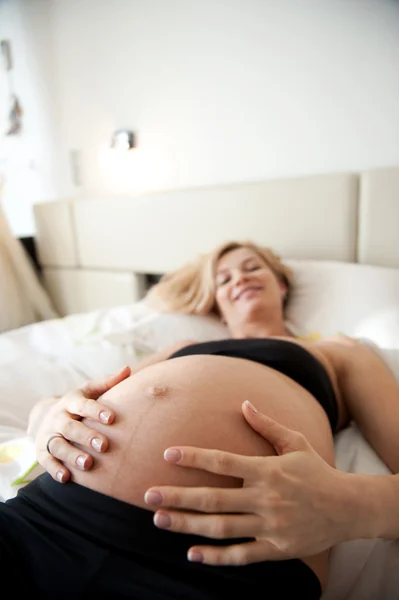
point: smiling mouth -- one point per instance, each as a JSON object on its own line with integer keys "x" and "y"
{"x": 247, "y": 290}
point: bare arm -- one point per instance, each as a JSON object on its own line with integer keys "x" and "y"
{"x": 371, "y": 394}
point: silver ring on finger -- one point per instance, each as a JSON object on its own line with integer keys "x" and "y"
{"x": 51, "y": 438}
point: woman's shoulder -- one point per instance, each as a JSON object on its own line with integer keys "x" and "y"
{"x": 343, "y": 351}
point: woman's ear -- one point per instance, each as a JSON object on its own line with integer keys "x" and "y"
{"x": 284, "y": 289}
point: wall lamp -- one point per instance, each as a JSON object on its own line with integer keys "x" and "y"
{"x": 123, "y": 140}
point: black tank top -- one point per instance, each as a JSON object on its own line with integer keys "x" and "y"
{"x": 287, "y": 357}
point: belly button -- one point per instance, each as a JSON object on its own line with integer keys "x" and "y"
{"x": 157, "y": 391}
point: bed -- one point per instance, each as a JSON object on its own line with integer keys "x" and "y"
{"x": 98, "y": 256}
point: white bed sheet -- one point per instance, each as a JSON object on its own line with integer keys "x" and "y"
{"x": 59, "y": 355}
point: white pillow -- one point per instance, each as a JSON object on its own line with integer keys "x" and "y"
{"x": 357, "y": 300}
{"x": 327, "y": 298}
{"x": 157, "y": 330}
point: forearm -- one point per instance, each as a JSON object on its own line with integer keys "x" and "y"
{"x": 373, "y": 506}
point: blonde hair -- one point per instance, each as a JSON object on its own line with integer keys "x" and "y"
{"x": 192, "y": 288}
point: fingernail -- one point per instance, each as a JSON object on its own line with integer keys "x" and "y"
{"x": 104, "y": 416}
{"x": 162, "y": 521}
{"x": 153, "y": 498}
{"x": 60, "y": 476}
{"x": 251, "y": 406}
{"x": 195, "y": 556}
{"x": 172, "y": 455}
{"x": 81, "y": 461}
{"x": 97, "y": 444}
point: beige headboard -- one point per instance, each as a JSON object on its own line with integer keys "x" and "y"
{"x": 96, "y": 252}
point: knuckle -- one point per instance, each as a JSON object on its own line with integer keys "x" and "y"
{"x": 86, "y": 391}
{"x": 218, "y": 557}
{"x": 276, "y": 523}
{"x": 235, "y": 555}
{"x": 274, "y": 499}
{"x": 274, "y": 474}
{"x": 207, "y": 503}
{"x": 181, "y": 524}
{"x": 191, "y": 458}
{"x": 90, "y": 406}
{"x": 215, "y": 504}
{"x": 220, "y": 529}
{"x": 76, "y": 407}
{"x": 68, "y": 428}
{"x": 223, "y": 461}
{"x": 258, "y": 500}
{"x": 56, "y": 447}
{"x": 69, "y": 398}
{"x": 172, "y": 498}
{"x": 238, "y": 556}
{"x": 74, "y": 400}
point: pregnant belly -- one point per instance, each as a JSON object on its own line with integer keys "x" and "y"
{"x": 196, "y": 400}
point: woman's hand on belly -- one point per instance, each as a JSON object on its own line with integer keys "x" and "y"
{"x": 293, "y": 505}
{"x": 63, "y": 418}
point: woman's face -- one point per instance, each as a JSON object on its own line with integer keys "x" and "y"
{"x": 246, "y": 287}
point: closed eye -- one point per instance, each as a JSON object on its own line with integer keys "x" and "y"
{"x": 224, "y": 278}
{"x": 220, "y": 281}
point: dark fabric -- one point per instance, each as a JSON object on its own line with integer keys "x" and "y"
{"x": 66, "y": 541}
{"x": 283, "y": 356}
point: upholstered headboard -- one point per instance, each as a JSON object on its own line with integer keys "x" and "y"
{"x": 97, "y": 251}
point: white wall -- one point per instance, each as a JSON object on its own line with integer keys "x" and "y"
{"x": 216, "y": 90}
{"x": 28, "y": 159}
{"x": 227, "y": 90}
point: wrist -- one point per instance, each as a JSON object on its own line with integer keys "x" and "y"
{"x": 373, "y": 506}
{"x": 385, "y": 506}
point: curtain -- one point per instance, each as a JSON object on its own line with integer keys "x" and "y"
{"x": 23, "y": 299}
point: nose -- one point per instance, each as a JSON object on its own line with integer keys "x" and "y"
{"x": 238, "y": 276}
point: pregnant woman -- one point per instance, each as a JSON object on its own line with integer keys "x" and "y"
{"x": 96, "y": 534}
